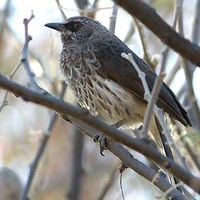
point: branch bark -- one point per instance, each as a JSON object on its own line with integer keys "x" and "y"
{"x": 159, "y": 27}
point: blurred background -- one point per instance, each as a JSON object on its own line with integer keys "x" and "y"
{"x": 22, "y": 124}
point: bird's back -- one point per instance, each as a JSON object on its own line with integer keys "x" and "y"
{"x": 114, "y": 67}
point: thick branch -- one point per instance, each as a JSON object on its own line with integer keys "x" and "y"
{"x": 66, "y": 109}
{"x": 128, "y": 160}
{"x": 159, "y": 27}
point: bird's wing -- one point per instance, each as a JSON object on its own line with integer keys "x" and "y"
{"x": 114, "y": 67}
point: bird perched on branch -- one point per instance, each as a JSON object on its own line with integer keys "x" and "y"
{"x": 103, "y": 81}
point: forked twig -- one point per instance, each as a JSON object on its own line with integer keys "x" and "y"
{"x": 23, "y": 60}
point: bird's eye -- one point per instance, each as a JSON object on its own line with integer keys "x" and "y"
{"x": 73, "y": 26}
{"x": 77, "y": 26}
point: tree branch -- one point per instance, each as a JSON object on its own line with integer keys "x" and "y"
{"x": 159, "y": 27}
{"x": 128, "y": 160}
{"x": 24, "y": 55}
{"x": 99, "y": 125}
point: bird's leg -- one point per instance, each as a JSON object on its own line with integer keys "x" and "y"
{"x": 101, "y": 139}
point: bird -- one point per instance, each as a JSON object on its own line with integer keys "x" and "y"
{"x": 105, "y": 83}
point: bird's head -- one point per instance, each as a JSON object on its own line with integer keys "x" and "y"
{"x": 77, "y": 29}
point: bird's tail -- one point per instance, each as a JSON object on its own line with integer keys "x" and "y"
{"x": 164, "y": 146}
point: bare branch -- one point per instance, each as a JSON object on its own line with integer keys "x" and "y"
{"x": 23, "y": 60}
{"x": 178, "y": 10}
{"x": 130, "y": 32}
{"x": 190, "y": 97}
{"x": 170, "y": 76}
{"x": 151, "y": 99}
{"x": 155, "y": 92}
{"x": 87, "y": 10}
{"x": 189, "y": 69}
{"x": 113, "y": 18}
{"x": 61, "y": 10}
{"x": 81, "y": 115}
{"x": 24, "y": 55}
{"x": 128, "y": 160}
{"x": 152, "y": 20}
{"x": 159, "y": 79}
{"x": 5, "y": 95}
{"x": 142, "y": 38}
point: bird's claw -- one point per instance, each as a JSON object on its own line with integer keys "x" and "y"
{"x": 102, "y": 142}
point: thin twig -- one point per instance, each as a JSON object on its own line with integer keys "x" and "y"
{"x": 130, "y": 33}
{"x": 179, "y": 5}
{"x": 189, "y": 69}
{"x": 24, "y": 55}
{"x": 61, "y": 10}
{"x": 196, "y": 23}
{"x": 158, "y": 83}
{"x": 142, "y": 39}
{"x": 31, "y": 53}
{"x": 189, "y": 98}
{"x": 155, "y": 92}
{"x": 121, "y": 188}
{"x": 153, "y": 96}
{"x": 189, "y": 148}
{"x": 5, "y": 95}
{"x": 4, "y": 100}
{"x": 22, "y": 60}
{"x": 113, "y": 18}
{"x": 158, "y": 112}
{"x": 86, "y": 10}
{"x": 175, "y": 68}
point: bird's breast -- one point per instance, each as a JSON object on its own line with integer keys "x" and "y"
{"x": 108, "y": 100}
{"x": 100, "y": 95}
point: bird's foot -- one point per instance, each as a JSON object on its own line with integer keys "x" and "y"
{"x": 101, "y": 139}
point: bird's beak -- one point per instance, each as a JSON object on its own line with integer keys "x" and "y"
{"x": 57, "y": 26}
